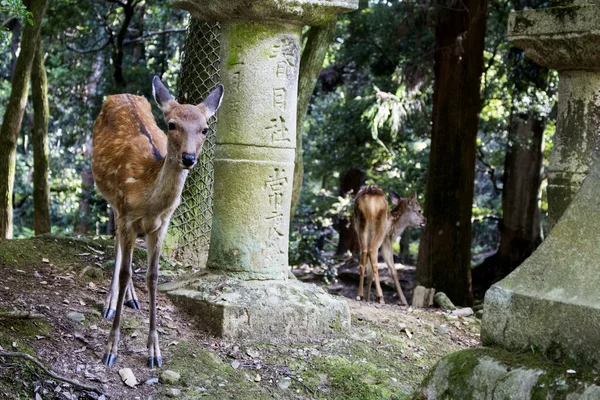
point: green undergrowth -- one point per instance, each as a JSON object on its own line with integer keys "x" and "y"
{"x": 204, "y": 374}
{"x": 70, "y": 252}
{"x": 17, "y": 376}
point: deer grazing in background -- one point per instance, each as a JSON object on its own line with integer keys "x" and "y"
{"x": 141, "y": 171}
{"x": 378, "y": 227}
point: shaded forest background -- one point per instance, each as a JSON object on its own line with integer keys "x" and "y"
{"x": 396, "y": 81}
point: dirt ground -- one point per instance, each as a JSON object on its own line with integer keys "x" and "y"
{"x": 387, "y": 352}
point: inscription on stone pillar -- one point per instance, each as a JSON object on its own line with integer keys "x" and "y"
{"x": 276, "y": 186}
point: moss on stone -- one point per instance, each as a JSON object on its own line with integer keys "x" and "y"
{"x": 457, "y": 380}
{"x": 241, "y": 36}
{"x": 522, "y": 23}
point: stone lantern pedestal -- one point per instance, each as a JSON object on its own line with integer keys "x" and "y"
{"x": 549, "y": 307}
{"x": 245, "y": 292}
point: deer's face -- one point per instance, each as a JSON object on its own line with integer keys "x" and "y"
{"x": 187, "y": 130}
{"x": 415, "y": 214}
{"x": 408, "y": 210}
{"x": 187, "y": 124}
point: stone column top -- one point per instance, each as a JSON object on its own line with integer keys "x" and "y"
{"x": 305, "y": 12}
{"x": 562, "y": 38}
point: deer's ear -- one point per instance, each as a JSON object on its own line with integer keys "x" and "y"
{"x": 412, "y": 198}
{"x": 162, "y": 96}
{"x": 394, "y": 197}
{"x": 213, "y": 101}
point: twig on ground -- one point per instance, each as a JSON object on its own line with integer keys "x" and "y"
{"x": 20, "y": 315}
{"x": 53, "y": 374}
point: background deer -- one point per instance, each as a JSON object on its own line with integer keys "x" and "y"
{"x": 141, "y": 171}
{"x": 378, "y": 227}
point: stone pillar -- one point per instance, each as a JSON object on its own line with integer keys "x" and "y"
{"x": 566, "y": 39}
{"x": 245, "y": 293}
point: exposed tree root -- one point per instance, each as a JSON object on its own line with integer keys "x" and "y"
{"x": 20, "y": 315}
{"x": 74, "y": 382}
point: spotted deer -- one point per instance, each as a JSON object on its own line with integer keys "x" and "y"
{"x": 140, "y": 171}
{"x": 377, "y": 227}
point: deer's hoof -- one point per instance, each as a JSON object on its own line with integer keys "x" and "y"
{"x": 154, "y": 362}
{"x": 109, "y": 359}
{"x": 133, "y": 304}
{"x": 108, "y": 313}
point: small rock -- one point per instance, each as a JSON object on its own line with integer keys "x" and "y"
{"x": 169, "y": 377}
{"x": 571, "y": 371}
{"x": 253, "y": 353}
{"x": 442, "y": 301}
{"x": 235, "y": 364}
{"x": 441, "y": 329}
{"x": 151, "y": 381}
{"x": 173, "y": 392}
{"x": 76, "y": 316}
{"x": 463, "y": 312}
{"x": 401, "y": 326}
{"x": 257, "y": 378}
{"x": 127, "y": 377}
{"x": 479, "y": 314}
{"x": 284, "y": 383}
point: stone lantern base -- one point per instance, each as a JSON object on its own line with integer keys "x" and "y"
{"x": 266, "y": 311}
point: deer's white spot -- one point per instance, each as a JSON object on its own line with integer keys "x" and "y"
{"x": 131, "y": 180}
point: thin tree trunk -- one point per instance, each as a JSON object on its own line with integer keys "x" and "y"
{"x": 118, "y": 50}
{"x": 445, "y": 249}
{"x": 39, "y": 138}
{"x": 87, "y": 178}
{"x": 13, "y": 116}
{"x": 311, "y": 62}
{"x": 520, "y": 233}
{"x": 520, "y": 225}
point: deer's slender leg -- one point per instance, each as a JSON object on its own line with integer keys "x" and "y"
{"x": 375, "y": 273}
{"x": 130, "y": 296}
{"x": 363, "y": 243}
{"x": 127, "y": 241}
{"x": 388, "y": 256}
{"x": 369, "y": 280}
{"x": 377, "y": 238}
{"x": 154, "y": 243}
{"x": 110, "y": 305}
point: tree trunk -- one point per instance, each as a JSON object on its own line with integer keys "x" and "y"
{"x": 520, "y": 232}
{"x": 520, "y": 225}
{"x": 87, "y": 178}
{"x": 311, "y": 62}
{"x": 118, "y": 48}
{"x": 39, "y": 138}
{"x": 13, "y": 116}
{"x": 445, "y": 249}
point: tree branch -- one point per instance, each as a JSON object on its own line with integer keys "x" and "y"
{"x": 144, "y": 36}
{"x": 89, "y": 50}
{"x": 74, "y": 382}
{"x": 491, "y": 170}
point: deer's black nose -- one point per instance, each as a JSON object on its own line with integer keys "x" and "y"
{"x": 188, "y": 159}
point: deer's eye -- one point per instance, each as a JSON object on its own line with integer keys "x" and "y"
{"x": 204, "y": 131}
{"x": 171, "y": 126}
